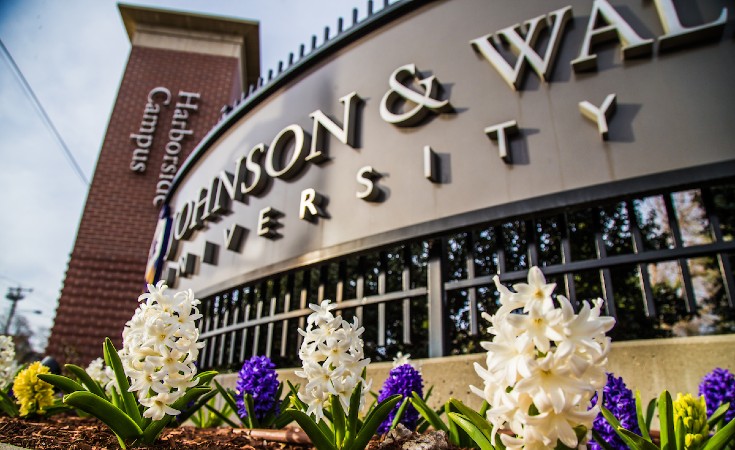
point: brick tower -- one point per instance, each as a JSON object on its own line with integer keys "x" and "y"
{"x": 181, "y": 70}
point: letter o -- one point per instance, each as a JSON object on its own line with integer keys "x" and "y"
{"x": 173, "y": 148}
{"x": 278, "y": 147}
{"x": 181, "y": 222}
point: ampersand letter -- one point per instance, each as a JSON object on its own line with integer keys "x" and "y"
{"x": 423, "y": 103}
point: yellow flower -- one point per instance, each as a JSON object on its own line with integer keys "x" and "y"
{"x": 33, "y": 394}
{"x": 693, "y": 413}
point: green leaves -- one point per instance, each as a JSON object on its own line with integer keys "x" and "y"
{"x": 601, "y": 441}
{"x": 61, "y": 383}
{"x": 399, "y": 414}
{"x": 476, "y": 418}
{"x": 197, "y": 413}
{"x": 339, "y": 423}
{"x": 624, "y": 434}
{"x": 666, "y": 419}
{"x": 119, "y": 422}
{"x": 431, "y": 416}
{"x": 719, "y": 413}
{"x": 635, "y": 441}
{"x": 130, "y": 403}
{"x": 723, "y": 437}
{"x": 345, "y": 430}
{"x": 672, "y": 433}
{"x": 91, "y": 385}
{"x": 643, "y": 423}
{"x": 373, "y": 421}
{"x": 154, "y": 428}
{"x": 320, "y": 439}
{"x": 353, "y": 421}
{"x": 7, "y": 405}
{"x": 229, "y": 398}
{"x": 120, "y": 410}
{"x": 473, "y": 424}
{"x": 473, "y": 430}
{"x": 271, "y": 420}
{"x": 456, "y": 434}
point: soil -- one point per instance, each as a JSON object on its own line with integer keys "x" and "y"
{"x": 68, "y": 432}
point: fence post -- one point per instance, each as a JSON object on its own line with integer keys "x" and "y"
{"x": 437, "y": 298}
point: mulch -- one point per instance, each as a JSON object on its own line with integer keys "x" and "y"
{"x": 69, "y": 432}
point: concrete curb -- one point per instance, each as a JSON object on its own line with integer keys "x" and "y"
{"x": 10, "y": 447}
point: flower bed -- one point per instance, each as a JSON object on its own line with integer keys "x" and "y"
{"x": 68, "y": 432}
{"x": 544, "y": 383}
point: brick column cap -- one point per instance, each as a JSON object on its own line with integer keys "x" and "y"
{"x": 200, "y": 33}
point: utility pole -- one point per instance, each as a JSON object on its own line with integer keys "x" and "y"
{"x": 14, "y": 295}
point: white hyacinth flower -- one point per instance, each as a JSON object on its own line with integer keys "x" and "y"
{"x": 160, "y": 349}
{"x": 332, "y": 359}
{"x": 544, "y": 364}
{"x": 102, "y": 374}
{"x": 400, "y": 359}
{"x": 8, "y": 366}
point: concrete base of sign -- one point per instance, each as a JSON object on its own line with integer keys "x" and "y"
{"x": 675, "y": 364}
{"x": 9, "y": 447}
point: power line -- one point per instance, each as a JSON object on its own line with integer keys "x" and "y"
{"x": 14, "y": 295}
{"x": 14, "y": 281}
{"x": 47, "y": 121}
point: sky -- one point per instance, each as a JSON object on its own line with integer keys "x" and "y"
{"x": 72, "y": 54}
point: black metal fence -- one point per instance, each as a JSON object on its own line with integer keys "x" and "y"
{"x": 661, "y": 261}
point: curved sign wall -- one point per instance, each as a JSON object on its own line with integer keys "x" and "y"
{"x": 447, "y": 108}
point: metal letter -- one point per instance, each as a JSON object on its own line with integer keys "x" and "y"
{"x": 600, "y": 115}
{"x": 211, "y": 251}
{"x": 160, "y": 90}
{"x": 633, "y": 45}
{"x": 182, "y": 219}
{"x": 188, "y": 96}
{"x": 200, "y": 209}
{"x": 424, "y": 102}
{"x": 307, "y": 202}
{"x": 232, "y": 184}
{"x": 278, "y": 148}
{"x": 187, "y": 265}
{"x": 148, "y": 123}
{"x": 234, "y": 237}
{"x": 180, "y": 114}
{"x": 259, "y": 182}
{"x": 345, "y": 135}
{"x": 310, "y": 205}
{"x": 365, "y": 177}
{"x": 500, "y": 133}
{"x": 142, "y": 140}
{"x": 219, "y": 204}
{"x": 431, "y": 165}
{"x": 177, "y": 134}
{"x": 524, "y": 48}
{"x": 677, "y": 34}
{"x": 267, "y": 223}
{"x": 171, "y": 277}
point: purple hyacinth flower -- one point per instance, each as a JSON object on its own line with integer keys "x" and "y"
{"x": 258, "y": 378}
{"x": 620, "y": 401}
{"x": 718, "y": 387}
{"x": 402, "y": 380}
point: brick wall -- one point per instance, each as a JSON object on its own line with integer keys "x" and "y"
{"x": 105, "y": 274}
